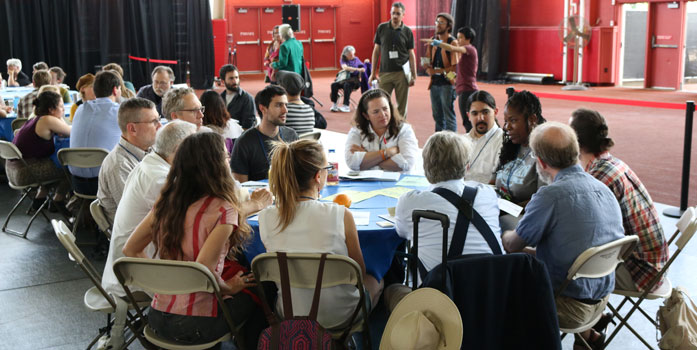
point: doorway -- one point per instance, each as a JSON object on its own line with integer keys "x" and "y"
{"x": 690, "y": 70}
{"x": 665, "y": 36}
{"x": 633, "y": 50}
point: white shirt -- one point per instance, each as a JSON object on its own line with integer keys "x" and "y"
{"x": 405, "y": 140}
{"x": 431, "y": 232}
{"x": 141, "y": 191}
{"x": 485, "y": 155}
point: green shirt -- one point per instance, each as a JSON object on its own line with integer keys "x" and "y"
{"x": 290, "y": 56}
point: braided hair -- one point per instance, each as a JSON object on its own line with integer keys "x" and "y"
{"x": 591, "y": 130}
{"x": 526, "y": 104}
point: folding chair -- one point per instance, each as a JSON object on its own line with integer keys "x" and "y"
{"x": 18, "y": 123}
{"x": 302, "y": 271}
{"x": 9, "y": 151}
{"x": 314, "y": 135}
{"x": 81, "y": 158}
{"x": 171, "y": 277}
{"x": 100, "y": 218}
{"x": 686, "y": 227}
{"x": 96, "y": 298}
{"x": 596, "y": 262}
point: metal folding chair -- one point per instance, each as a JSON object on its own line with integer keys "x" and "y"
{"x": 100, "y": 218}
{"x": 686, "y": 227}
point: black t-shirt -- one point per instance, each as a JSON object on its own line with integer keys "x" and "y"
{"x": 439, "y": 79}
{"x": 147, "y": 92}
{"x": 250, "y": 155}
{"x": 390, "y": 39}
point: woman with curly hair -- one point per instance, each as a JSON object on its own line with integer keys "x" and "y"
{"x": 198, "y": 218}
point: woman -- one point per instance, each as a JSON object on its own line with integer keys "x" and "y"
{"x": 379, "y": 138}
{"x": 290, "y": 53}
{"x": 639, "y": 215}
{"x": 35, "y": 141}
{"x": 197, "y": 218}
{"x": 217, "y": 117}
{"x": 516, "y": 177}
{"x": 272, "y": 55}
{"x": 300, "y": 223}
{"x": 85, "y": 87}
{"x": 351, "y": 67}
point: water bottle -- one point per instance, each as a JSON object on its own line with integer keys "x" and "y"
{"x": 374, "y": 84}
{"x": 333, "y": 174}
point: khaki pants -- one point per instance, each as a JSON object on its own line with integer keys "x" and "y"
{"x": 396, "y": 81}
{"x": 573, "y": 313}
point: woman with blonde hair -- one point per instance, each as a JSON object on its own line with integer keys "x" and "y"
{"x": 300, "y": 223}
{"x": 198, "y": 218}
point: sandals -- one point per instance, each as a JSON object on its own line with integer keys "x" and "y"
{"x": 595, "y": 344}
{"x": 602, "y": 323}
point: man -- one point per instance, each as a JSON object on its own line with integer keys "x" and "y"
{"x": 290, "y": 54}
{"x": 57, "y": 76}
{"x": 139, "y": 122}
{"x": 240, "y": 104}
{"x": 41, "y": 65}
{"x": 573, "y": 213}
{"x": 394, "y": 47}
{"x": 96, "y": 125}
{"x": 486, "y": 137}
{"x": 441, "y": 67}
{"x": 467, "y": 71}
{"x": 15, "y": 76}
{"x": 250, "y": 155}
{"x": 162, "y": 80}
{"x": 182, "y": 103}
{"x": 300, "y": 116}
{"x": 25, "y": 106}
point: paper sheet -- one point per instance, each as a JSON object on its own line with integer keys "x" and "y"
{"x": 356, "y": 196}
{"x": 387, "y": 217}
{"x": 510, "y": 207}
{"x": 254, "y": 184}
{"x": 362, "y": 218}
{"x": 372, "y": 175}
{"x": 413, "y": 181}
{"x": 394, "y": 192}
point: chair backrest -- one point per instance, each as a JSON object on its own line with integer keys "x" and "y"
{"x": 18, "y": 123}
{"x": 687, "y": 225}
{"x": 302, "y": 270}
{"x": 165, "y": 276}
{"x": 596, "y": 262}
{"x": 99, "y": 217}
{"x": 82, "y": 157}
{"x": 314, "y": 135}
{"x": 8, "y": 150}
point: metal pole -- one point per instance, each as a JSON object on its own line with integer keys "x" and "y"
{"x": 564, "y": 46}
{"x": 686, "y": 154}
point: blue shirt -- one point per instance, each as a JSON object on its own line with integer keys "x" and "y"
{"x": 564, "y": 219}
{"x": 95, "y": 125}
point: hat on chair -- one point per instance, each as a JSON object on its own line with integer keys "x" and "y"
{"x": 424, "y": 319}
{"x": 291, "y": 81}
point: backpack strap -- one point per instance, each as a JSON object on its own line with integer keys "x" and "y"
{"x": 285, "y": 285}
{"x": 318, "y": 288}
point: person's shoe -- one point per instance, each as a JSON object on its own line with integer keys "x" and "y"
{"x": 602, "y": 323}
{"x": 596, "y": 342}
{"x": 334, "y": 108}
{"x": 345, "y": 109}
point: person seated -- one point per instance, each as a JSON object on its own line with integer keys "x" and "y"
{"x": 217, "y": 117}
{"x": 41, "y": 65}
{"x": 96, "y": 125}
{"x": 379, "y": 139}
{"x": 182, "y": 103}
{"x": 15, "y": 76}
{"x": 35, "y": 141}
{"x": 127, "y": 88}
{"x": 198, "y": 218}
{"x": 353, "y": 67}
{"x": 139, "y": 122}
{"x": 300, "y": 223}
{"x": 162, "y": 80}
{"x": 239, "y": 103}
{"x": 300, "y": 116}
{"x": 446, "y": 156}
{"x": 271, "y": 55}
{"x": 562, "y": 220}
{"x": 290, "y": 54}
{"x": 25, "y": 107}
{"x": 516, "y": 179}
{"x": 85, "y": 86}
{"x": 486, "y": 137}
{"x": 250, "y": 155}
{"x": 639, "y": 215}
{"x": 4, "y": 109}
{"x": 57, "y": 76}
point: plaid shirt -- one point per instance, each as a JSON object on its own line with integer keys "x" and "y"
{"x": 25, "y": 106}
{"x": 639, "y": 217}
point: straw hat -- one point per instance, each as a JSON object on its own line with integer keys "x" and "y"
{"x": 424, "y": 319}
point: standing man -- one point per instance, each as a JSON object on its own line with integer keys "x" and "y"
{"x": 240, "y": 104}
{"x": 162, "y": 81}
{"x": 441, "y": 67}
{"x": 394, "y": 47}
{"x": 250, "y": 156}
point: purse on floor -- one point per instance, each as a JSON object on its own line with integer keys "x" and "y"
{"x": 677, "y": 321}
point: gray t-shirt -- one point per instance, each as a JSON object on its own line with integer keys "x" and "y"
{"x": 518, "y": 178}
{"x": 250, "y": 154}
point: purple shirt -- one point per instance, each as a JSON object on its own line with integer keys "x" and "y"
{"x": 354, "y": 63}
{"x": 467, "y": 71}
{"x": 30, "y": 144}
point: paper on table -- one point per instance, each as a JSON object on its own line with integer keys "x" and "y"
{"x": 388, "y": 217}
{"x": 394, "y": 192}
{"x": 253, "y": 218}
{"x": 413, "y": 181}
{"x": 254, "y": 184}
{"x": 362, "y": 218}
{"x": 356, "y": 196}
{"x": 372, "y": 175}
{"x": 510, "y": 207}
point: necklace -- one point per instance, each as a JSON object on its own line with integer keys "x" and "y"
{"x": 308, "y": 197}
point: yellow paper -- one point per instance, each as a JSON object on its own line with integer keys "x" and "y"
{"x": 356, "y": 196}
{"x": 394, "y": 192}
{"x": 413, "y": 181}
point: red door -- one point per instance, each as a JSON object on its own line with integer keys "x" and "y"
{"x": 304, "y": 34}
{"x": 664, "y": 62}
{"x": 270, "y": 17}
{"x": 245, "y": 31}
{"x": 324, "y": 51}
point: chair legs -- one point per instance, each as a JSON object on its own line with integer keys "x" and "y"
{"x": 23, "y": 234}
{"x": 624, "y": 321}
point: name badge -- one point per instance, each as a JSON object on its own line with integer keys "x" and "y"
{"x": 393, "y": 55}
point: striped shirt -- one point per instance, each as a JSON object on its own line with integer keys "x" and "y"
{"x": 639, "y": 217}
{"x": 301, "y": 118}
{"x": 201, "y": 218}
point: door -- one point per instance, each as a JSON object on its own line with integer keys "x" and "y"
{"x": 304, "y": 35}
{"x": 270, "y": 17}
{"x": 247, "y": 38}
{"x": 324, "y": 52}
{"x": 633, "y": 51}
{"x": 690, "y": 56}
{"x": 664, "y": 61}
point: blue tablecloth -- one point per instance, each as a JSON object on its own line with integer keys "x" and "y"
{"x": 10, "y": 93}
{"x": 6, "y": 132}
{"x": 59, "y": 142}
{"x": 378, "y": 244}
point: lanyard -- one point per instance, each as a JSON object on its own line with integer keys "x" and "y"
{"x": 515, "y": 166}
{"x": 129, "y": 152}
{"x": 261, "y": 142}
{"x": 480, "y": 151}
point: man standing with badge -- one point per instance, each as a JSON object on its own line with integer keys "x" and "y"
{"x": 394, "y": 49}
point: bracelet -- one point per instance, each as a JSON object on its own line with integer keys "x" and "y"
{"x": 382, "y": 153}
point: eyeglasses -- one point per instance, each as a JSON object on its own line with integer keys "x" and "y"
{"x": 194, "y": 110}
{"x": 328, "y": 167}
{"x": 154, "y": 122}
{"x": 441, "y": 22}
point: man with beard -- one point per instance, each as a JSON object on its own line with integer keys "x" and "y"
{"x": 486, "y": 137}
{"x": 240, "y": 103}
{"x": 563, "y": 219}
{"x": 441, "y": 66}
{"x": 162, "y": 81}
{"x": 250, "y": 155}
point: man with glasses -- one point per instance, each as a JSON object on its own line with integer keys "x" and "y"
{"x": 182, "y": 103}
{"x": 240, "y": 104}
{"x": 162, "y": 81}
{"x": 139, "y": 122}
{"x": 440, "y": 65}
{"x": 486, "y": 137}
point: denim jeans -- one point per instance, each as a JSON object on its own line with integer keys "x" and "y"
{"x": 442, "y": 99}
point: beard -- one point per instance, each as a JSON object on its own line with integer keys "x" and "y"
{"x": 231, "y": 87}
{"x": 544, "y": 176}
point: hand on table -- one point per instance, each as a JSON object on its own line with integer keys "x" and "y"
{"x": 262, "y": 197}
{"x": 357, "y": 148}
{"x": 239, "y": 282}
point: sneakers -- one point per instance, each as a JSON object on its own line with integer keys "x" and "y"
{"x": 334, "y": 108}
{"x": 345, "y": 109}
